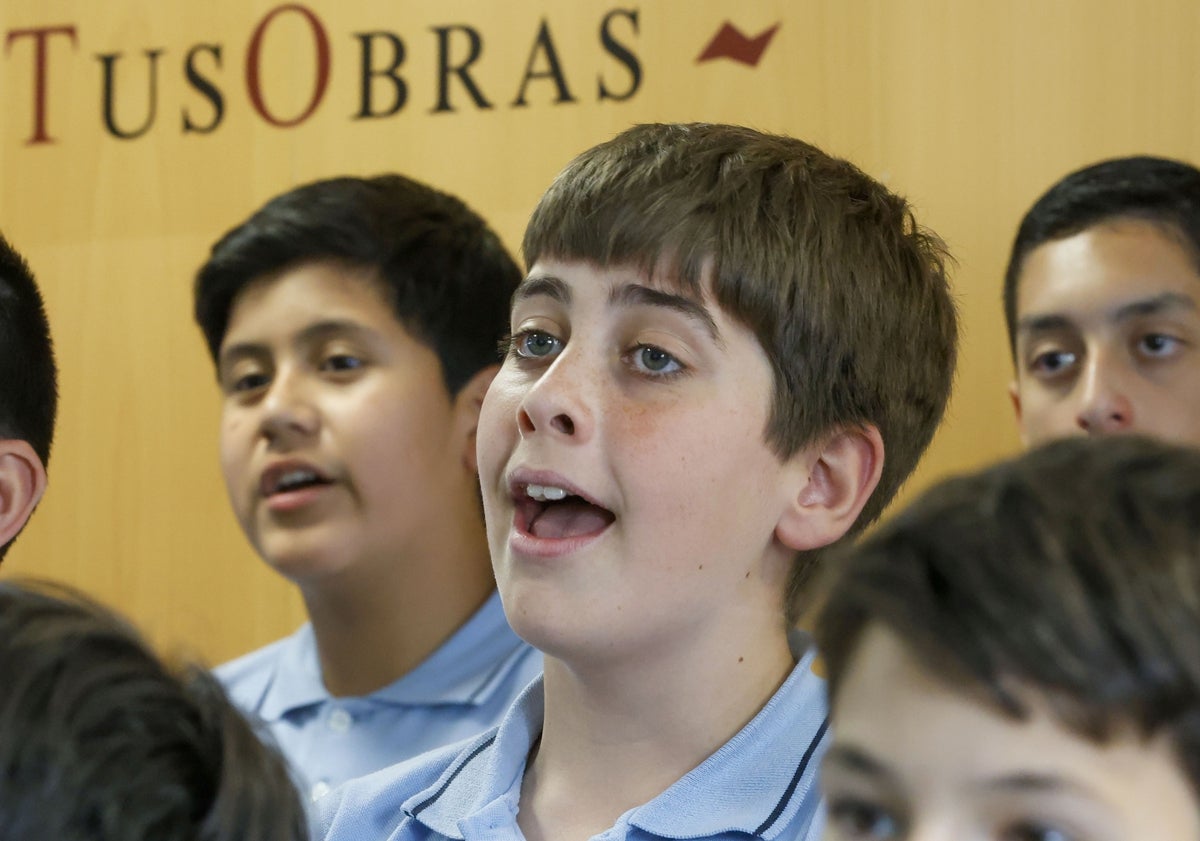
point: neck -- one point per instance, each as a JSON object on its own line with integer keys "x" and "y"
{"x": 619, "y": 734}
{"x": 375, "y": 624}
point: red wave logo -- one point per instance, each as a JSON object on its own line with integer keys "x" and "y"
{"x": 729, "y": 42}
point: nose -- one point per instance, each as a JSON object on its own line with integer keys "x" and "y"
{"x": 935, "y": 828}
{"x": 560, "y": 403}
{"x": 1104, "y": 406}
{"x": 288, "y": 412}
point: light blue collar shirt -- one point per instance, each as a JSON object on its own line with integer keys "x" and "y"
{"x": 459, "y": 691}
{"x": 761, "y": 783}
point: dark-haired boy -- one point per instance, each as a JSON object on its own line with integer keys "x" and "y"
{"x": 1102, "y": 300}
{"x": 1015, "y": 656}
{"x": 101, "y": 741}
{"x": 720, "y": 333}
{"x": 28, "y": 394}
{"x": 354, "y": 324}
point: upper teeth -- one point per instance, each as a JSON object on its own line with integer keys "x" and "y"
{"x": 545, "y": 493}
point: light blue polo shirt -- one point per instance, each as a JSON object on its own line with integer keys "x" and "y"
{"x": 459, "y": 691}
{"x": 762, "y": 783}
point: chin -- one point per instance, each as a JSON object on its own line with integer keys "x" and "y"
{"x": 553, "y": 631}
{"x": 302, "y": 566}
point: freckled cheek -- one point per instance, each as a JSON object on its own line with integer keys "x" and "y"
{"x": 636, "y": 423}
{"x": 670, "y": 455}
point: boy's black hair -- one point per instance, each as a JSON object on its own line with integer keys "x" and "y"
{"x": 1072, "y": 573}
{"x": 445, "y": 273}
{"x": 28, "y": 375}
{"x": 100, "y": 742}
{"x": 1161, "y": 191}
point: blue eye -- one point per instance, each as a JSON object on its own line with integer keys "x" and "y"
{"x": 859, "y": 819}
{"x": 534, "y": 344}
{"x": 654, "y": 360}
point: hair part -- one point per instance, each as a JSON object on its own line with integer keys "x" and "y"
{"x": 1072, "y": 572}
{"x": 99, "y": 741}
{"x": 846, "y": 293}
{"x": 443, "y": 270}
{"x": 1161, "y": 191}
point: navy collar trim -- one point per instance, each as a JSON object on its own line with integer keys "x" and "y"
{"x": 801, "y": 769}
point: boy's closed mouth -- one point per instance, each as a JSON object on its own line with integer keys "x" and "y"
{"x": 549, "y": 508}
{"x": 291, "y": 484}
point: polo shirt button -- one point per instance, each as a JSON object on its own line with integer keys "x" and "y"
{"x": 340, "y": 720}
{"x": 320, "y": 789}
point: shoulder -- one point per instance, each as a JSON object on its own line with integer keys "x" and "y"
{"x": 246, "y": 678}
{"x": 378, "y": 805}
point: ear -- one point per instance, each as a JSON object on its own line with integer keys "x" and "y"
{"x": 842, "y": 473}
{"x": 1014, "y": 394}
{"x": 22, "y": 483}
{"x": 467, "y": 404}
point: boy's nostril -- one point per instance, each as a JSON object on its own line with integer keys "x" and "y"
{"x": 563, "y": 424}
{"x": 524, "y": 422}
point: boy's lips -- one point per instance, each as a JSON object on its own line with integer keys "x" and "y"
{"x": 292, "y": 483}
{"x": 548, "y": 507}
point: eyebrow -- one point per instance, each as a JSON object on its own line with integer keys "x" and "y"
{"x": 856, "y": 760}
{"x": 1042, "y": 324}
{"x": 635, "y": 294}
{"x": 312, "y": 333}
{"x": 1031, "y": 782}
{"x": 551, "y": 287}
{"x": 1153, "y": 306}
{"x": 1146, "y": 306}
{"x": 629, "y": 295}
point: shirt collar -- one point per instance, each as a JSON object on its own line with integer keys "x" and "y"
{"x": 757, "y": 783}
{"x": 466, "y": 669}
{"x": 486, "y": 777}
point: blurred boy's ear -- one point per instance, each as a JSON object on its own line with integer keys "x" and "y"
{"x": 467, "y": 404}
{"x": 1014, "y": 394}
{"x": 842, "y": 473}
{"x": 22, "y": 483}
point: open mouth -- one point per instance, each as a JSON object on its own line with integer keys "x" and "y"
{"x": 289, "y": 479}
{"x": 553, "y": 513}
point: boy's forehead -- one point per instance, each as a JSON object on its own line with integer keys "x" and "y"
{"x": 1108, "y": 264}
{"x": 309, "y": 291}
{"x": 326, "y": 277}
{"x": 557, "y": 276}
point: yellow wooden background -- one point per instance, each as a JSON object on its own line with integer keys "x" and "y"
{"x": 970, "y": 107}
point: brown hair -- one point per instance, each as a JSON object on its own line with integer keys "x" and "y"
{"x": 846, "y": 293}
{"x": 1073, "y": 571}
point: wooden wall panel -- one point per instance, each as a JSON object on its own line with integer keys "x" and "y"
{"x": 971, "y": 109}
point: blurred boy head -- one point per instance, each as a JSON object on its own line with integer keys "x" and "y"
{"x": 1015, "y": 656}
{"x": 99, "y": 741}
{"x": 1101, "y": 299}
{"x": 353, "y": 324}
{"x": 28, "y": 394}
